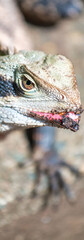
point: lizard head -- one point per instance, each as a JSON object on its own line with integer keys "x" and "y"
{"x": 40, "y": 90}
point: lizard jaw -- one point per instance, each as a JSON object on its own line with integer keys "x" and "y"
{"x": 66, "y": 120}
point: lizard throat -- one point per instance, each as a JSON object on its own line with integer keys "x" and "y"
{"x": 65, "y": 120}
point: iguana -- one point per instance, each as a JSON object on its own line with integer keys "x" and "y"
{"x": 38, "y": 89}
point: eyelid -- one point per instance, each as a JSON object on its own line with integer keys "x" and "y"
{"x": 28, "y": 77}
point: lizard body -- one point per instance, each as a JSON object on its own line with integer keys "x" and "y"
{"x": 37, "y": 89}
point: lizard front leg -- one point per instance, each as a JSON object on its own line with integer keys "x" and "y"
{"x": 49, "y": 163}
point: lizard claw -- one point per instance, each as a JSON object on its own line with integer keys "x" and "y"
{"x": 51, "y": 181}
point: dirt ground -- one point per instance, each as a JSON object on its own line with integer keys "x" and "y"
{"x": 65, "y": 222}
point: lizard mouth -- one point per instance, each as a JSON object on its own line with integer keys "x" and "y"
{"x": 66, "y": 120}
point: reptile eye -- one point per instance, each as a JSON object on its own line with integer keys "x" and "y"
{"x": 27, "y": 83}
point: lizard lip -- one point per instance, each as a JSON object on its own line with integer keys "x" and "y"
{"x": 68, "y": 120}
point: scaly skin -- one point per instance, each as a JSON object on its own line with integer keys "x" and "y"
{"x": 38, "y": 90}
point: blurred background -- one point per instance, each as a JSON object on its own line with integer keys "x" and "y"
{"x": 55, "y": 27}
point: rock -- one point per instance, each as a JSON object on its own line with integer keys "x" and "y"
{"x": 48, "y": 12}
{"x": 14, "y": 32}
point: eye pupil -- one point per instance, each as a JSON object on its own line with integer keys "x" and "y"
{"x": 28, "y": 82}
